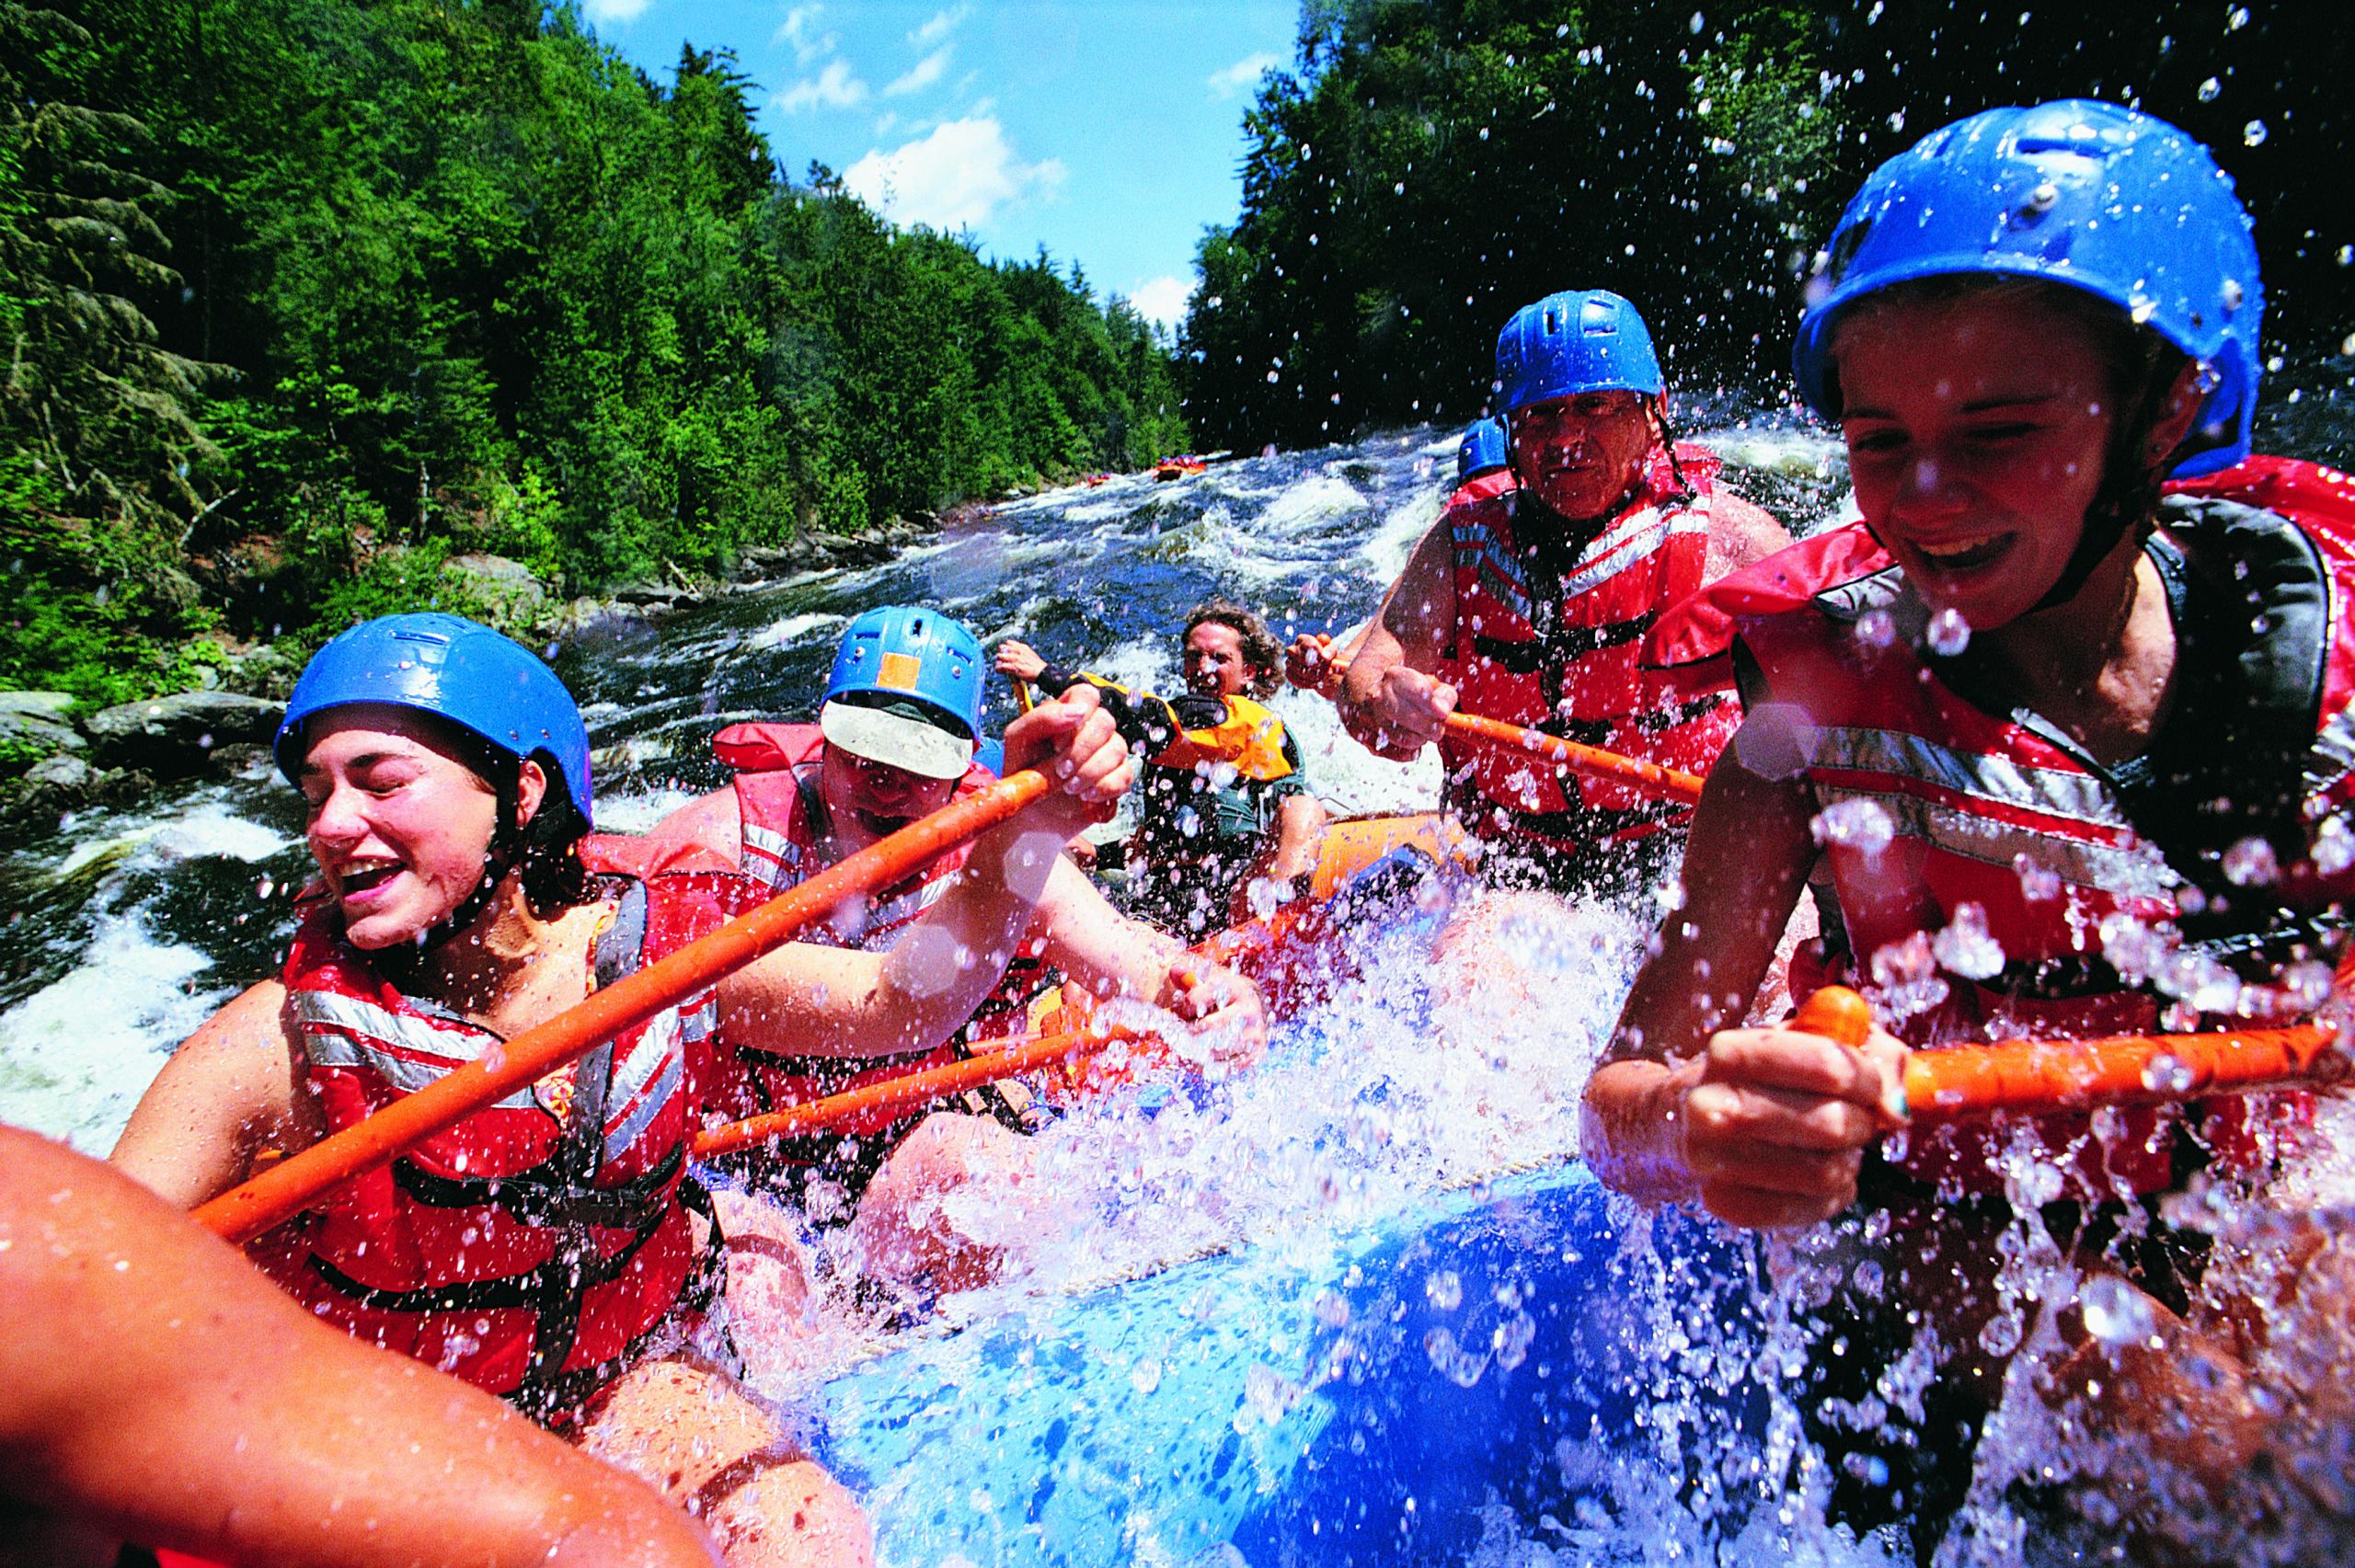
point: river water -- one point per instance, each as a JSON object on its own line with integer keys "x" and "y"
{"x": 126, "y": 928}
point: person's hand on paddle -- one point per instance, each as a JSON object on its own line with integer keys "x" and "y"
{"x": 1410, "y": 709}
{"x": 1019, "y": 660}
{"x": 1309, "y": 663}
{"x": 1776, "y": 1121}
{"x": 1072, "y": 740}
{"x": 1229, "y": 1016}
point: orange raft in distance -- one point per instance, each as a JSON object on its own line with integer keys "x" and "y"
{"x": 1178, "y": 467}
{"x": 1291, "y": 954}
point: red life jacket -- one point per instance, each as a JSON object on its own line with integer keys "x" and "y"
{"x": 1480, "y": 487}
{"x": 1560, "y": 652}
{"x": 777, "y": 803}
{"x": 533, "y": 1248}
{"x": 2001, "y": 812}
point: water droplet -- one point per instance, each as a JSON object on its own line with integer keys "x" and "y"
{"x": 2044, "y": 198}
{"x": 2209, "y": 89}
{"x": 2238, "y": 20}
{"x": 2116, "y": 1313}
{"x": 1966, "y": 947}
{"x": 1444, "y": 1288}
{"x": 2253, "y": 134}
{"x": 1876, "y": 628}
{"x": 2250, "y": 862}
{"x": 2233, "y": 294}
{"x": 2166, "y": 1074}
{"x": 2037, "y": 882}
{"x": 1857, "y": 823}
{"x": 1949, "y": 633}
{"x": 2334, "y": 848}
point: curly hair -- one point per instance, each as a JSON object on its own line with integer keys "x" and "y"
{"x": 1262, "y": 655}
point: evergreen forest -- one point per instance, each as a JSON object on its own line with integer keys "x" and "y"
{"x": 302, "y": 297}
{"x": 1429, "y": 165}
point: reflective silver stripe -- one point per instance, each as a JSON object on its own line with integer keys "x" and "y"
{"x": 344, "y": 1031}
{"x": 2134, "y": 873}
{"x": 2333, "y": 757}
{"x": 2079, "y": 798}
{"x": 885, "y": 920}
{"x": 1612, "y": 538}
{"x": 665, "y": 1088}
{"x": 1642, "y": 547}
{"x": 770, "y": 856}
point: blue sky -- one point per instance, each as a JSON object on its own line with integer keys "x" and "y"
{"x": 1108, "y": 131}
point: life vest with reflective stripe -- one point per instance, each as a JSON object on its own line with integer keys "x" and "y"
{"x": 781, "y": 815}
{"x": 534, "y": 1247}
{"x": 1552, "y": 639}
{"x": 2002, "y": 815}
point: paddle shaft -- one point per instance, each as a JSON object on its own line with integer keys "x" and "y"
{"x": 1962, "y": 1082}
{"x": 286, "y": 1189}
{"x": 1662, "y": 783}
{"x": 906, "y": 1092}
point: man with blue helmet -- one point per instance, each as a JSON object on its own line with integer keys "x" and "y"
{"x": 1483, "y": 466}
{"x": 2067, "y": 717}
{"x": 895, "y": 739}
{"x": 550, "y": 1248}
{"x": 1531, "y": 605}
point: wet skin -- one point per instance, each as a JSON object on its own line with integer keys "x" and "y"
{"x": 399, "y": 825}
{"x": 1214, "y": 661}
{"x": 1976, "y": 439}
{"x": 867, "y": 800}
{"x": 1581, "y": 454}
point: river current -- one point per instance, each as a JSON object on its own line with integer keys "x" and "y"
{"x": 126, "y": 928}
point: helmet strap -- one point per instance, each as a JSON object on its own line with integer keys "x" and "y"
{"x": 504, "y": 854}
{"x": 2130, "y": 483}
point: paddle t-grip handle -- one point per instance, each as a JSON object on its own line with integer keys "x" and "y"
{"x": 1836, "y": 1014}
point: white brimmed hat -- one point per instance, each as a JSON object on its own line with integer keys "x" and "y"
{"x": 899, "y": 735}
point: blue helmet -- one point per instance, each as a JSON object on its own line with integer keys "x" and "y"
{"x": 915, "y": 654}
{"x": 2104, "y": 199}
{"x": 1483, "y": 451}
{"x": 454, "y": 668}
{"x": 1583, "y": 340}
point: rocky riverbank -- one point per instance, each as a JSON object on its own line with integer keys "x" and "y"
{"x": 56, "y": 760}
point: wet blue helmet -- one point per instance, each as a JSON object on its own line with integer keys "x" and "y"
{"x": 452, "y": 668}
{"x": 990, "y": 754}
{"x": 2104, "y": 199}
{"x": 1483, "y": 451}
{"x": 912, "y": 653}
{"x": 1583, "y": 340}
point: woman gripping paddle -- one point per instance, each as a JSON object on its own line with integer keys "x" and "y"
{"x": 544, "y": 1248}
{"x": 2062, "y": 715}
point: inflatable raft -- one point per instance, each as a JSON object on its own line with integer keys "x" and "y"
{"x": 1369, "y": 1398}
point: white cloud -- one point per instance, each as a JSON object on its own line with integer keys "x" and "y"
{"x": 616, "y": 10}
{"x": 950, "y": 179}
{"x": 835, "y": 87}
{"x": 884, "y": 121}
{"x": 1162, "y": 300}
{"x": 800, "y": 29}
{"x": 939, "y": 26}
{"x": 925, "y": 73}
{"x": 1243, "y": 74}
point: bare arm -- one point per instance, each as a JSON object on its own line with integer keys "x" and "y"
{"x": 1390, "y": 701}
{"x": 1739, "y": 533}
{"x": 227, "y": 1093}
{"x": 1766, "y": 1125}
{"x": 154, "y": 1386}
{"x": 1109, "y": 954}
{"x": 804, "y": 1000}
{"x": 1290, "y": 852}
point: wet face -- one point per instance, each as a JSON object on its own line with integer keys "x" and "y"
{"x": 399, "y": 825}
{"x": 1582, "y": 454}
{"x": 1977, "y": 432}
{"x": 867, "y": 800}
{"x": 1214, "y": 661}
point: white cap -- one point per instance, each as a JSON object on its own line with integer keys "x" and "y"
{"x": 896, "y": 738}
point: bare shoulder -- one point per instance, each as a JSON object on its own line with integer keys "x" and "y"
{"x": 1742, "y": 532}
{"x": 711, "y": 822}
